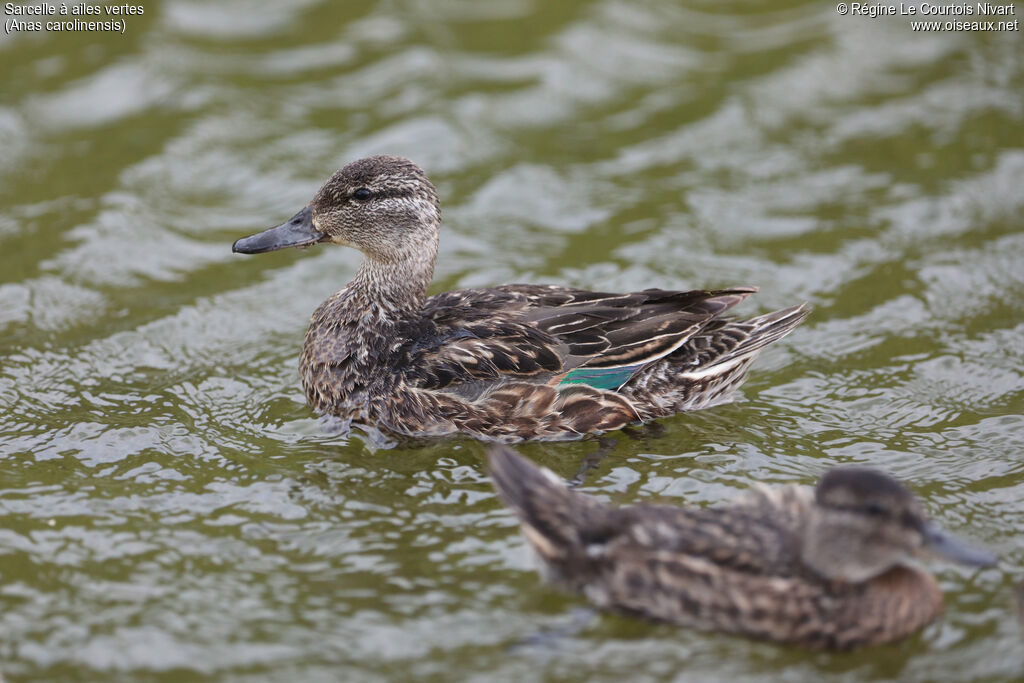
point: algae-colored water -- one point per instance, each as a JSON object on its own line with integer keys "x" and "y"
{"x": 170, "y": 509}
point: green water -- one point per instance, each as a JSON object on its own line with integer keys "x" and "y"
{"x": 170, "y": 509}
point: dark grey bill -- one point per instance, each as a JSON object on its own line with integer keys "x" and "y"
{"x": 297, "y": 232}
{"x": 941, "y": 543}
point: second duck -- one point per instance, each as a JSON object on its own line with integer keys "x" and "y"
{"x": 831, "y": 568}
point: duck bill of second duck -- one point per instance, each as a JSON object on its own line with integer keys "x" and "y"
{"x": 297, "y": 231}
{"x": 941, "y": 543}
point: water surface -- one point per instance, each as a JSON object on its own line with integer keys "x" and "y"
{"x": 171, "y": 510}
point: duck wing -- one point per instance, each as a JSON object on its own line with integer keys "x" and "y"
{"x": 557, "y": 335}
{"x": 578, "y": 535}
{"x": 754, "y": 536}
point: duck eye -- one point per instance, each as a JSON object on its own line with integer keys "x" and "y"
{"x": 875, "y": 510}
{"x": 362, "y": 194}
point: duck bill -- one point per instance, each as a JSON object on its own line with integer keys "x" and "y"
{"x": 944, "y": 545}
{"x": 297, "y": 232}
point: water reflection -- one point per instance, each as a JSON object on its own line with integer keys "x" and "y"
{"x": 169, "y": 505}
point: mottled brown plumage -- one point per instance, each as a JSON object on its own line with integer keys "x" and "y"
{"x": 825, "y": 568}
{"x": 504, "y": 363}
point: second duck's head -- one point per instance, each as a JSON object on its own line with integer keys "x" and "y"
{"x": 383, "y": 206}
{"x": 865, "y": 523}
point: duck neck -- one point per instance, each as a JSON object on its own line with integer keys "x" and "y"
{"x": 838, "y": 553}
{"x": 393, "y": 288}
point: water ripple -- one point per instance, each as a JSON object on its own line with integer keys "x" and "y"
{"x": 171, "y": 508}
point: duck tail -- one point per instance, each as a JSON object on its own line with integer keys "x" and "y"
{"x": 761, "y": 331}
{"x": 771, "y": 327}
{"x": 555, "y": 520}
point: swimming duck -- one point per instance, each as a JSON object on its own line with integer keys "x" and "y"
{"x": 502, "y": 363}
{"x": 831, "y": 567}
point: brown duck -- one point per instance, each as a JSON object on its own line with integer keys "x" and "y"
{"x": 505, "y": 363}
{"x": 831, "y": 567}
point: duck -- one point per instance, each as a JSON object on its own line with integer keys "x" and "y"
{"x": 505, "y": 363}
{"x": 833, "y": 567}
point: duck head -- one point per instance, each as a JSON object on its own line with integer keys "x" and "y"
{"x": 383, "y": 205}
{"x": 864, "y": 522}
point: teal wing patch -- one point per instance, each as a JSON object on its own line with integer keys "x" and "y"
{"x": 608, "y": 379}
